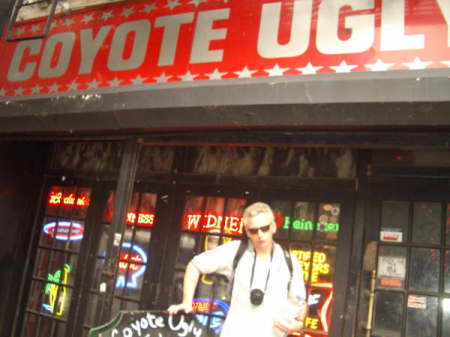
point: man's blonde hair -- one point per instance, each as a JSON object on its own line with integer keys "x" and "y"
{"x": 255, "y": 209}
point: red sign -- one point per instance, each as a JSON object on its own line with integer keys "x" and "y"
{"x": 148, "y": 43}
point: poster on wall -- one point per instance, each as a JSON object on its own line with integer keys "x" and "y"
{"x": 151, "y": 43}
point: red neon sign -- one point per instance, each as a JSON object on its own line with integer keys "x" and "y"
{"x": 125, "y": 257}
{"x": 143, "y": 219}
{"x": 57, "y": 198}
{"x": 212, "y": 223}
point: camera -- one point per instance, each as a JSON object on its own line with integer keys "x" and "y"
{"x": 256, "y": 296}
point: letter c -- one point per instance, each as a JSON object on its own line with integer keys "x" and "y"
{"x": 14, "y": 73}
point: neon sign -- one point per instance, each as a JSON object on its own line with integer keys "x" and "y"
{"x": 64, "y": 230}
{"x": 321, "y": 295}
{"x": 234, "y": 225}
{"x": 51, "y": 289}
{"x": 133, "y": 259}
{"x": 219, "y": 308}
{"x": 211, "y": 222}
{"x": 143, "y": 219}
{"x": 57, "y": 198}
{"x": 306, "y": 225}
{"x": 319, "y": 263}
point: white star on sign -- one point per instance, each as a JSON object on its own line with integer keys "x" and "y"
{"x": 216, "y": 75}
{"x": 172, "y": 4}
{"x": 446, "y": 63}
{"x": 196, "y": 2}
{"x": 148, "y": 8}
{"x": 187, "y": 77}
{"x": 379, "y": 66}
{"x": 87, "y": 18}
{"x": 309, "y": 69}
{"x": 417, "y": 64}
{"x": 35, "y": 28}
{"x": 53, "y": 88}
{"x": 19, "y": 91}
{"x": 68, "y": 22}
{"x": 114, "y": 83}
{"x": 106, "y": 15}
{"x": 73, "y": 86}
{"x": 138, "y": 80}
{"x": 127, "y": 12}
{"x": 162, "y": 78}
{"x": 20, "y": 31}
{"x": 93, "y": 84}
{"x": 343, "y": 67}
{"x": 36, "y": 89}
{"x": 2, "y": 92}
{"x": 276, "y": 71}
{"x": 245, "y": 73}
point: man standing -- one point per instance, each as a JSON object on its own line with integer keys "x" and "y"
{"x": 267, "y": 299}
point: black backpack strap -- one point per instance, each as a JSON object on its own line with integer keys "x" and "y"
{"x": 242, "y": 247}
{"x": 288, "y": 258}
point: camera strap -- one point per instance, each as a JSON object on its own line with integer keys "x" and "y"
{"x": 268, "y": 273}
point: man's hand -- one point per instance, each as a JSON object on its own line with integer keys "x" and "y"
{"x": 176, "y": 308}
{"x": 288, "y": 325}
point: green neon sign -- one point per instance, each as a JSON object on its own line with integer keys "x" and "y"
{"x": 307, "y": 225}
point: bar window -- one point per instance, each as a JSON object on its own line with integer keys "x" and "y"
{"x": 388, "y": 314}
{"x": 422, "y": 316}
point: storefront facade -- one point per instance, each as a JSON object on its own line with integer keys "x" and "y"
{"x": 177, "y": 114}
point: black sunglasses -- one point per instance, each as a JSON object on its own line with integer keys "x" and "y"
{"x": 263, "y": 229}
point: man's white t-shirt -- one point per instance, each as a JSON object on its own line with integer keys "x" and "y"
{"x": 245, "y": 319}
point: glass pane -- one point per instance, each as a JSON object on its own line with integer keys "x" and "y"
{"x": 50, "y": 263}
{"x": 427, "y": 222}
{"x": 233, "y": 217}
{"x": 321, "y": 267}
{"x": 109, "y": 208}
{"x": 156, "y": 159}
{"x": 30, "y": 325}
{"x": 68, "y": 202}
{"x": 424, "y": 269}
{"x": 177, "y": 290}
{"x": 82, "y": 203}
{"x": 47, "y": 327}
{"x": 62, "y": 233}
{"x": 394, "y": 221}
{"x": 147, "y": 208}
{"x": 193, "y": 212}
{"x": 422, "y": 316}
{"x": 388, "y": 314}
{"x": 131, "y": 267}
{"x": 327, "y": 226}
{"x": 303, "y": 254}
{"x": 36, "y": 298}
{"x": 281, "y": 210}
{"x": 391, "y": 267}
{"x": 132, "y": 209}
{"x": 54, "y": 200}
{"x": 447, "y": 272}
{"x": 186, "y": 249}
{"x": 212, "y": 219}
{"x": 446, "y": 317}
{"x": 51, "y": 298}
{"x": 302, "y": 222}
{"x": 62, "y": 268}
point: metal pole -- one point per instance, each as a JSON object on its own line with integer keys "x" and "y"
{"x": 122, "y": 199}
